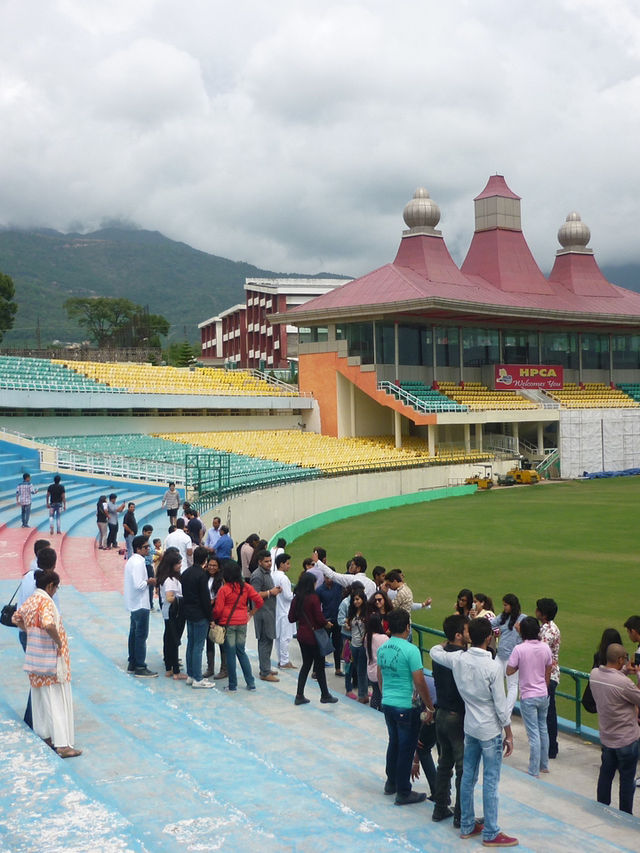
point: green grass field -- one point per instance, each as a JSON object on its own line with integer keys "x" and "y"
{"x": 572, "y": 541}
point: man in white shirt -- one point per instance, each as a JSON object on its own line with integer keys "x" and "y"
{"x": 357, "y": 569}
{"x": 136, "y": 600}
{"x": 284, "y": 628}
{"x": 480, "y": 682}
{"x": 213, "y": 533}
{"x": 182, "y": 541}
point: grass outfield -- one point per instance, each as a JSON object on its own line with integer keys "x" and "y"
{"x": 572, "y": 541}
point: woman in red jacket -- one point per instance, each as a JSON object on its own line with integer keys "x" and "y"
{"x": 230, "y": 611}
{"x": 306, "y": 610}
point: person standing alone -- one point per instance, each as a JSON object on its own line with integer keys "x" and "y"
{"x": 56, "y": 503}
{"x": 24, "y": 492}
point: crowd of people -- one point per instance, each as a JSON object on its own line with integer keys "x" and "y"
{"x": 360, "y": 620}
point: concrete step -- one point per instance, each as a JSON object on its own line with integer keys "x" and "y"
{"x": 208, "y": 770}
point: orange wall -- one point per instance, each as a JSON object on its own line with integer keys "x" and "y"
{"x": 317, "y": 374}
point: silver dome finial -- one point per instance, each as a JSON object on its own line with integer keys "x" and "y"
{"x": 573, "y": 234}
{"x": 421, "y": 214}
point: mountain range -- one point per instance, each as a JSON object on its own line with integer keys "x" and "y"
{"x": 185, "y": 285}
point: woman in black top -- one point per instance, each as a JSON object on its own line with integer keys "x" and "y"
{"x": 101, "y": 518}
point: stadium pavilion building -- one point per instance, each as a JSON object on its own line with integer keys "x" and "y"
{"x": 488, "y": 355}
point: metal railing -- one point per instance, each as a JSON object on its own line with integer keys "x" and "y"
{"x": 498, "y": 441}
{"x": 128, "y": 467}
{"x": 278, "y": 383}
{"x": 552, "y": 456}
{"x": 425, "y": 638}
{"x": 428, "y": 407}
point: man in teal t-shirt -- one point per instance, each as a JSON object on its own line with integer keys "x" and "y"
{"x": 399, "y": 673}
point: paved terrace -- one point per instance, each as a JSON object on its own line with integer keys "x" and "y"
{"x": 166, "y": 768}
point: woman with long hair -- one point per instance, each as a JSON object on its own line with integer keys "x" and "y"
{"x": 102, "y": 522}
{"x": 230, "y": 610}
{"x": 356, "y": 622}
{"x": 375, "y": 636}
{"x": 482, "y": 607}
{"x": 215, "y": 582}
{"x": 509, "y": 637}
{"x": 464, "y": 602}
{"x": 609, "y": 636}
{"x": 380, "y": 605}
{"x": 306, "y": 610}
{"x": 168, "y": 581}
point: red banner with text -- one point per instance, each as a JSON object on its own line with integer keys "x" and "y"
{"x": 513, "y": 377}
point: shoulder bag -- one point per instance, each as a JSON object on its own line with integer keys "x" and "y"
{"x": 41, "y": 657}
{"x": 6, "y": 616}
{"x": 218, "y": 633}
{"x": 323, "y": 640}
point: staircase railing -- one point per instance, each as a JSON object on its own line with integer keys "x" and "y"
{"x": 429, "y": 407}
{"x": 552, "y": 457}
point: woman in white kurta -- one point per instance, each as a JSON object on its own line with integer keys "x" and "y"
{"x": 284, "y": 628}
{"x": 50, "y": 694}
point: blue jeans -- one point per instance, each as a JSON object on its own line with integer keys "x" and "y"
{"x": 138, "y": 633}
{"x": 54, "y": 512}
{"x": 359, "y": 663}
{"x": 490, "y": 751}
{"x": 25, "y": 510}
{"x": 534, "y": 717}
{"x": 196, "y": 636}
{"x": 403, "y": 725}
{"x": 234, "y": 648}
{"x": 624, "y": 760}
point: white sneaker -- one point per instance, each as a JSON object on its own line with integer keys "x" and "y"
{"x": 204, "y": 684}
{"x": 189, "y": 680}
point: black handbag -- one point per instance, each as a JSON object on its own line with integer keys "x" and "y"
{"x": 588, "y": 702}
{"x": 6, "y": 615}
{"x": 323, "y": 640}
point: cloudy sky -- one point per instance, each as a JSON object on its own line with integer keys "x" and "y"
{"x": 290, "y": 133}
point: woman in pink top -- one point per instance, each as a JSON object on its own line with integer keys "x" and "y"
{"x": 375, "y": 636}
{"x": 533, "y": 660}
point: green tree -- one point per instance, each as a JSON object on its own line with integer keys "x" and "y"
{"x": 8, "y": 307}
{"x": 180, "y": 354}
{"x": 119, "y": 322}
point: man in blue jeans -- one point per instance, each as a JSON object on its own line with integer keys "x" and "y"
{"x": 480, "y": 682}
{"x": 196, "y": 606}
{"x": 399, "y": 673}
{"x": 136, "y": 600}
{"x": 617, "y": 699}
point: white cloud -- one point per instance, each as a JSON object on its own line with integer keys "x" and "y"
{"x": 291, "y": 135}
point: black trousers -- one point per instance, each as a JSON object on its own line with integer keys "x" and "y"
{"x": 112, "y": 538}
{"x": 311, "y": 657}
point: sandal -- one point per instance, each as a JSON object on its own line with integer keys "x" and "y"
{"x": 68, "y": 752}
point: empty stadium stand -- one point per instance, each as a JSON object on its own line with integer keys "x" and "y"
{"x": 39, "y": 374}
{"x": 594, "y": 395}
{"x": 477, "y": 397}
{"x": 423, "y": 398}
{"x": 149, "y": 379}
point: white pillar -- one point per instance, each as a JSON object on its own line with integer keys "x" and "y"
{"x": 479, "y": 437}
{"x": 352, "y": 407}
{"x": 431, "y": 438}
{"x": 515, "y": 428}
{"x": 540, "y": 438}
{"x": 467, "y": 438}
{"x": 397, "y": 427}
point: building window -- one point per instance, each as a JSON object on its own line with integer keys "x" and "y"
{"x": 415, "y": 345}
{"x": 385, "y": 344}
{"x": 521, "y": 347}
{"x": 595, "y": 352}
{"x": 447, "y": 348}
{"x": 560, "y": 348}
{"x": 313, "y": 334}
{"x": 626, "y": 352}
{"x": 479, "y": 347}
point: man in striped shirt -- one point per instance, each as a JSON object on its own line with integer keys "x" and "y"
{"x": 24, "y": 492}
